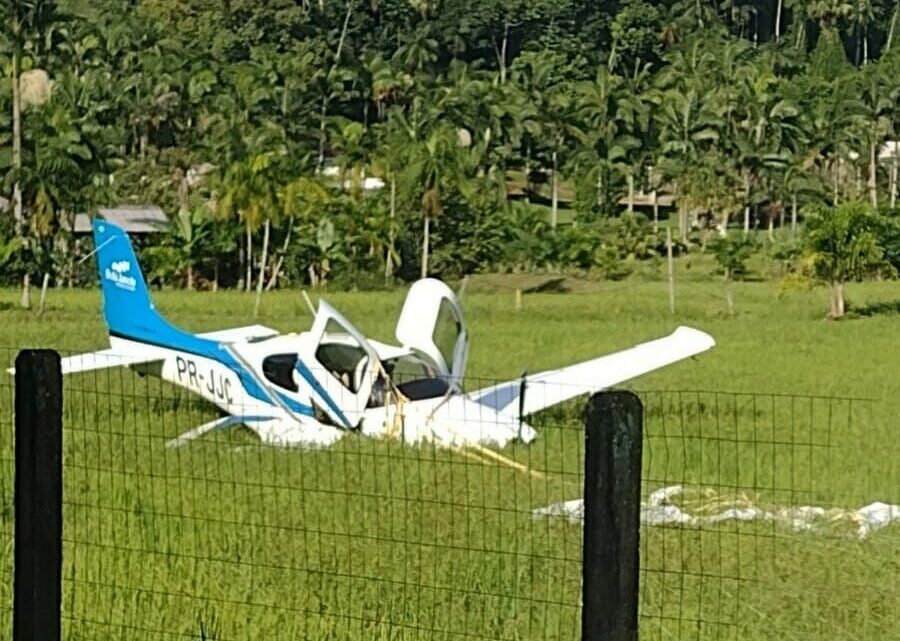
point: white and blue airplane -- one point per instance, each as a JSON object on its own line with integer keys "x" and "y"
{"x": 313, "y": 388}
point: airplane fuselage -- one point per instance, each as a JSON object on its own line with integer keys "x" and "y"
{"x": 288, "y": 417}
{"x": 314, "y": 387}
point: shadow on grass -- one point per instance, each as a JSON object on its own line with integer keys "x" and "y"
{"x": 552, "y": 286}
{"x": 885, "y": 308}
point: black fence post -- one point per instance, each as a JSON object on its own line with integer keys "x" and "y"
{"x": 37, "y": 589}
{"x": 612, "y": 504}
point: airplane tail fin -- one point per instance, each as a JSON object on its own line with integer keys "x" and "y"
{"x": 127, "y": 307}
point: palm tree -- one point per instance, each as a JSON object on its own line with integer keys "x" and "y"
{"x": 612, "y": 118}
{"x": 763, "y": 128}
{"x": 419, "y": 53}
{"x": 386, "y": 83}
{"x": 551, "y": 124}
{"x": 30, "y": 26}
{"x": 304, "y": 200}
{"x": 688, "y": 126}
{"x": 434, "y": 165}
{"x": 829, "y": 12}
{"x": 862, "y": 14}
{"x": 892, "y": 28}
{"x": 702, "y": 12}
{"x": 877, "y": 108}
{"x": 391, "y": 160}
{"x": 800, "y": 10}
{"x": 349, "y": 143}
{"x": 250, "y": 189}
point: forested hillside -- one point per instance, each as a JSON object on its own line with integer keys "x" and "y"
{"x": 351, "y": 141}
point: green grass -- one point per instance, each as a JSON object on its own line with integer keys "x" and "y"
{"x": 377, "y": 540}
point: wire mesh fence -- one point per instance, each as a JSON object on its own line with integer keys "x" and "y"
{"x": 751, "y": 523}
{"x": 760, "y": 521}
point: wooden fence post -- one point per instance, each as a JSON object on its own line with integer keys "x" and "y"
{"x": 37, "y": 582}
{"x": 612, "y": 504}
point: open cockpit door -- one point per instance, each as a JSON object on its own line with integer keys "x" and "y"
{"x": 338, "y": 364}
{"x": 431, "y": 322}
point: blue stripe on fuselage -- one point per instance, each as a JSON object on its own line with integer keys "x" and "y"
{"x": 296, "y": 406}
{"x": 164, "y": 335}
{"x": 317, "y": 387}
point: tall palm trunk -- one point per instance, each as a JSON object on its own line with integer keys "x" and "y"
{"x": 630, "y": 194}
{"x": 778, "y": 9}
{"x": 17, "y": 144}
{"x": 262, "y": 268}
{"x": 890, "y": 36}
{"x": 836, "y": 171}
{"x": 682, "y": 214}
{"x": 503, "y": 47}
{"x": 801, "y": 35}
{"x": 426, "y": 234}
{"x": 389, "y": 260}
{"x": 554, "y": 207}
{"x": 894, "y": 176}
{"x": 70, "y": 250}
{"x": 320, "y": 161}
{"x": 794, "y": 213}
{"x": 837, "y": 300}
{"x": 747, "y": 204}
{"x": 248, "y": 283}
{"x": 276, "y": 271}
{"x": 873, "y": 175}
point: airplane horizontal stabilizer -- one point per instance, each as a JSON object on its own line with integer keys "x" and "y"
{"x": 103, "y": 359}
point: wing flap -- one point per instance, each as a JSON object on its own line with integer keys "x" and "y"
{"x": 555, "y": 386}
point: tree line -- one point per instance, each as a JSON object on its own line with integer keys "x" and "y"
{"x": 372, "y": 140}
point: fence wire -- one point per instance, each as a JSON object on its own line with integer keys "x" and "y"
{"x": 226, "y": 538}
{"x": 770, "y": 529}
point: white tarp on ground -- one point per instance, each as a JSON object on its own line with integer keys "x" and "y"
{"x": 677, "y": 505}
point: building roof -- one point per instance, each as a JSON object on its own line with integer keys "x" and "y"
{"x": 134, "y": 219}
{"x": 646, "y": 200}
{"x": 890, "y": 150}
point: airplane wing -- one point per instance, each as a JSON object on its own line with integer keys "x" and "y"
{"x": 549, "y": 388}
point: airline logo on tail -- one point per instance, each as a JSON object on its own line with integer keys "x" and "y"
{"x": 117, "y": 274}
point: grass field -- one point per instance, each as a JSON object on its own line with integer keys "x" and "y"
{"x": 227, "y": 540}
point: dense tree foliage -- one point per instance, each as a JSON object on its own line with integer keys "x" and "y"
{"x": 362, "y": 141}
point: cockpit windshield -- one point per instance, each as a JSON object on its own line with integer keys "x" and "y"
{"x": 415, "y": 377}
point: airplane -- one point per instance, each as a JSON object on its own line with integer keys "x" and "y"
{"x": 315, "y": 387}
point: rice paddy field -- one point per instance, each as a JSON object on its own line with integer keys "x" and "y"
{"x": 225, "y": 539}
